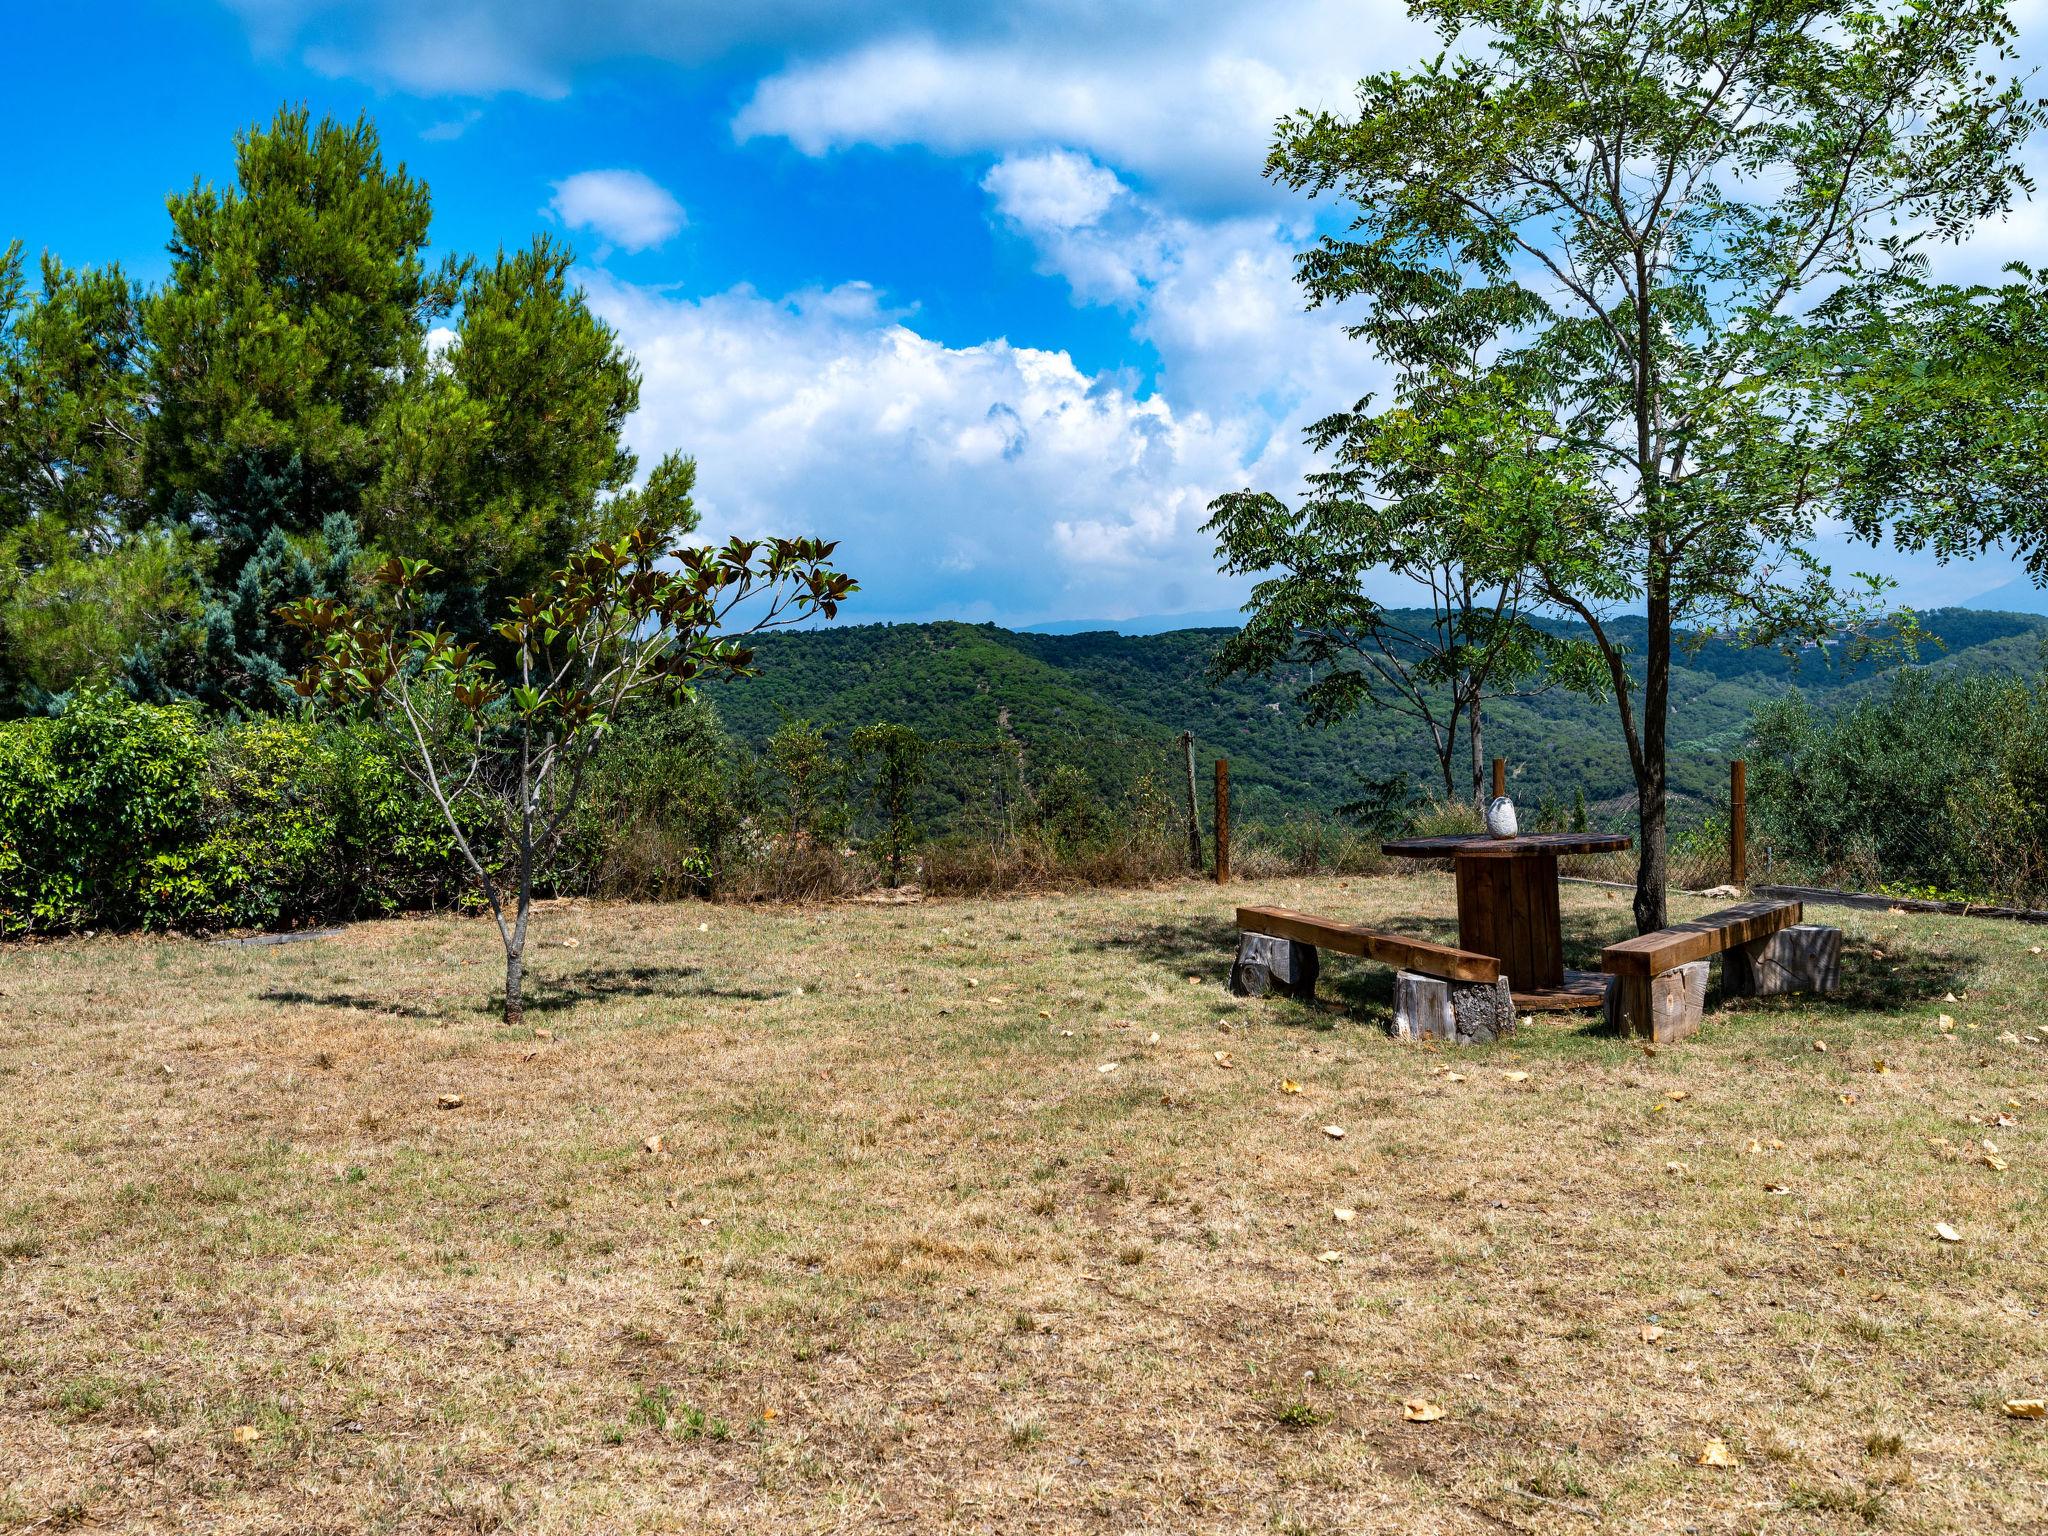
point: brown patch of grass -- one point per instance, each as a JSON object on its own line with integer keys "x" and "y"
{"x": 909, "y": 1260}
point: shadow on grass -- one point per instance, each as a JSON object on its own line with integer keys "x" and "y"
{"x": 549, "y": 994}
{"x": 1350, "y": 987}
{"x": 350, "y": 1002}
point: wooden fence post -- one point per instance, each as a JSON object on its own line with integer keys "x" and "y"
{"x": 1222, "y": 821}
{"x": 1187, "y": 741}
{"x": 1500, "y": 777}
{"x": 1738, "y": 823}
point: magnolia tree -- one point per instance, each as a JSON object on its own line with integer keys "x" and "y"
{"x": 515, "y": 739}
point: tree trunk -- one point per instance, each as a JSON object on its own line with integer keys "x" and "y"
{"x": 1651, "y": 866}
{"x": 515, "y": 1008}
{"x": 1478, "y": 756}
{"x": 515, "y": 967}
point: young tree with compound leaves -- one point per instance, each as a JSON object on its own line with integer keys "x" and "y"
{"x": 893, "y": 759}
{"x": 1632, "y": 215}
{"x": 611, "y": 626}
{"x": 1422, "y": 492}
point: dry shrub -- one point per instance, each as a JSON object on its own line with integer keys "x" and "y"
{"x": 799, "y": 869}
{"x": 1036, "y": 861}
{"x": 1309, "y": 843}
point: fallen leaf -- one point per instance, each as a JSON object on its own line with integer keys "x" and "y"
{"x": 2026, "y": 1408}
{"x": 1674, "y": 1167}
{"x": 450, "y": 1101}
{"x": 1045, "y": 1013}
{"x": 1344, "y": 1213}
{"x": 1951, "y": 998}
{"x": 1650, "y": 1333}
{"x": 1714, "y": 1453}
{"x": 245, "y": 1434}
{"x": 1223, "y": 1058}
{"x": 1516, "y": 1077}
{"x": 2003, "y": 1119}
{"x": 1066, "y": 1034}
{"x": 1420, "y": 1410}
{"x": 1820, "y": 1045}
{"x": 771, "y": 1413}
{"x": 1847, "y": 1098}
{"x": 1944, "y": 1023}
{"x": 1331, "y": 1257}
{"x": 1947, "y": 1233}
{"x": 703, "y": 927}
{"x": 1880, "y": 1065}
{"x": 571, "y": 943}
{"x": 543, "y": 1034}
{"x": 1289, "y": 1085}
{"x": 1994, "y": 1162}
{"x": 1334, "y": 1132}
{"x": 1776, "y": 1189}
{"x": 1153, "y": 1038}
{"x": 2007, "y": 1037}
{"x": 1108, "y": 1066}
{"x": 1454, "y": 1077}
{"x": 654, "y": 1144}
{"x": 1676, "y": 1095}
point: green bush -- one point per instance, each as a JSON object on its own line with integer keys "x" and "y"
{"x": 116, "y": 814}
{"x": 97, "y": 806}
{"x": 1938, "y": 783}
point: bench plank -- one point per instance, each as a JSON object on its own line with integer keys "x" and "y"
{"x": 1393, "y": 949}
{"x": 1652, "y": 954}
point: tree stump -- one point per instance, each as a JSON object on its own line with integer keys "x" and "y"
{"x": 1804, "y": 958}
{"x": 1266, "y": 964}
{"x": 1662, "y": 1008}
{"x": 1456, "y": 1012}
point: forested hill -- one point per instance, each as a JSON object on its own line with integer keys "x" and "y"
{"x": 1109, "y": 702}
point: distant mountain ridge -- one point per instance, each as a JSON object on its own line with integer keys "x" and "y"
{"x": 1107, "y": 702}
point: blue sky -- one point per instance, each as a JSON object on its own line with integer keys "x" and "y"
{"x": 995, "y": 295}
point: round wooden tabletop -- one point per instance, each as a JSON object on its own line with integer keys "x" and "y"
{"x": 1484, "y": 845}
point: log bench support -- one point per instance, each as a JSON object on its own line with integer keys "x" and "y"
{"x": 1266, "y": 964}
{"x": 1804, "y": 958}
{"x": 1664, "y": 1008}
{"x": 1455, "y": 1012}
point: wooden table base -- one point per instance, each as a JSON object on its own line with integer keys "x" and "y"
{"x": 1507, "y": 907}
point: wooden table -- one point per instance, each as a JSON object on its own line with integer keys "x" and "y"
{"x": 1507, "y": 906}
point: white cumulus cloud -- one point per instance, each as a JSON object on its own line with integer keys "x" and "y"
{"x": 991, "y": 481}
{"x": 631, "y": 210}
{"x": 1054, "y": 189}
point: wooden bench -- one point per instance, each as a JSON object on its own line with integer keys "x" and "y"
{"x": 1439, "y": 991}
{"x": 1658, "y": 985}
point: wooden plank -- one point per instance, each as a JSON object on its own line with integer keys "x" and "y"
{"x": 1652, "y": 954}
{"x": 1388, "y": 948}
{"x": 1870, "y": 901}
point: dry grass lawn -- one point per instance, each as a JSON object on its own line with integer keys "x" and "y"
{"x": 911, "y": 1256}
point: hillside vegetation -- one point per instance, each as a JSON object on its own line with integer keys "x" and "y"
{"x": 1112, "y": 704}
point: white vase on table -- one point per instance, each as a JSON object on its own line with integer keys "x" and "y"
{"x": 1500, "y": 817}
